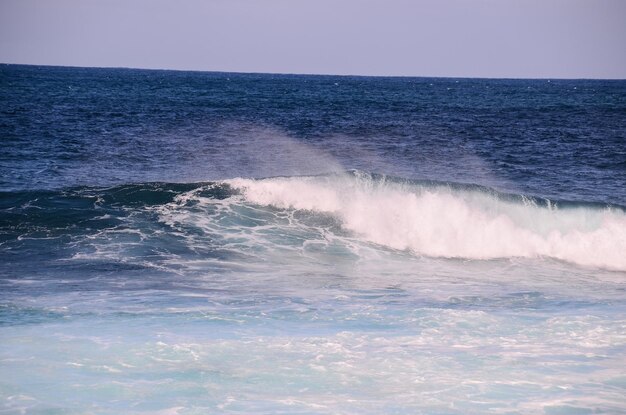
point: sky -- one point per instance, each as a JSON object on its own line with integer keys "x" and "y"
{"x": 448, "y": 38}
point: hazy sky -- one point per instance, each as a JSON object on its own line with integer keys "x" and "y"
{"x": 472, "y": 38}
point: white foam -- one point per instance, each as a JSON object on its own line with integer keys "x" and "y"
{"x": 441, "y": 222}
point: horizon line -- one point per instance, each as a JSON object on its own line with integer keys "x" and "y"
{"x": 312, "y": 74}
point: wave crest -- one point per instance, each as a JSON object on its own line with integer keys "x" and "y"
{"x": 448, "y": 221}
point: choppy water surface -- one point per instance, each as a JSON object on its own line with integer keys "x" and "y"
{"x": 191, "y": 243}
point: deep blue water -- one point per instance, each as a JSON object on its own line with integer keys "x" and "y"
{"x": 75, "y": 126}
{"x": 191, "y": 242}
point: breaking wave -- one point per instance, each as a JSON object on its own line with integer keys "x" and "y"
{"x": 453, "y": 221}
{"x": 425, "y": 218}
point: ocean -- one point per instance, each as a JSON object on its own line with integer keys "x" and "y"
{"x": 197, "y": 242}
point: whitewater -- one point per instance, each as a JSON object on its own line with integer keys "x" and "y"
{"x": 444, "y": 222}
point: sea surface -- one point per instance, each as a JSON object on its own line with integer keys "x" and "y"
{"x": 200, "y": 243}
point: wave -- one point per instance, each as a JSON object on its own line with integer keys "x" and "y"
{"x": 452, "y": 221}
{"x": 427, "y": 218}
